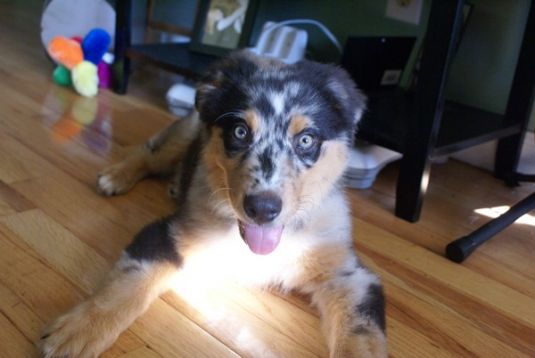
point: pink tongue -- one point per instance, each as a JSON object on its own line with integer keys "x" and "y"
{"x": 262, "y": 240}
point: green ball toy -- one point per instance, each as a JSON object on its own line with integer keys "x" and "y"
{"x": 62, "y": 76}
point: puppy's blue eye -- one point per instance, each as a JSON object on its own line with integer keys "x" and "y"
{"x": 306, "y": 141}
{"x": 240, "y": 132}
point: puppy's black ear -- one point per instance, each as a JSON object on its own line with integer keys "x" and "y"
{"x": 339, "y": 90}
{"x": 220, "y": 90}
{"x": 350, "y": 98}
{"x": 208, "y": 87}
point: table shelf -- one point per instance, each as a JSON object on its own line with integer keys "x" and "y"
{"x": 462, "y": 126}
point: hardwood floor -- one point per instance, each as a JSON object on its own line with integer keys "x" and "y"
{"x": 58, "y": 238}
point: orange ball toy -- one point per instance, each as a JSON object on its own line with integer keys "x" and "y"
{"x": 66, "y": 51}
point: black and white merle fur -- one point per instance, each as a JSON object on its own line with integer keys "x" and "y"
{"x": 262, "y": 129}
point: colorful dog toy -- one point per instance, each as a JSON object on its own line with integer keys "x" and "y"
{"x": 78, "y": 60}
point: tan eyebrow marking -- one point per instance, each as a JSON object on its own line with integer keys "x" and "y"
{"x": 252, "y": 119}
{"x": 298, "y": 123}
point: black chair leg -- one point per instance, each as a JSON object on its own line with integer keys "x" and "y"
{"x": 121, "y": 65}
{"x": 460, "y": 249}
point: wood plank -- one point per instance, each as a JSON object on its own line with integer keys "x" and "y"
{"x": 60, "y": 248}
{"x": 12, "y": 201}
{"x": 38, "y": 293}
{"x": 172, "y": 335}
{"x": 143, "y": 352}
{"x": 47, "y": 160}
{"x": 12, "y": 167}
{"x": 252, "y": 326}
{"x": 443, "y": 326}
{"x": 12, "y": 342}
{"x": 417, "y": 311}
{"x": 19, "y": 315}
{"x": 104, "y": 224}
{"x": 505, "y": 314}
{"x": 34, "y": 282}
{"x": 404, "y": 341}
{"x": 95, "y": 221}
{"x": 128, "y": 342}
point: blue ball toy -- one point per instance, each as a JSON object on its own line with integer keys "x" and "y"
{"x": 95, "y": 45}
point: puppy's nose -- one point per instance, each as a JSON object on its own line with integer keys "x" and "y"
{"x": 263, "y": 207}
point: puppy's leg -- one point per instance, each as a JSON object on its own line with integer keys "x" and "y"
{"x": 159, "y": 155}
{"x": 351, "y": 304}
{"x": 144, "y": 272}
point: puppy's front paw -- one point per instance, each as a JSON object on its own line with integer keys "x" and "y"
{"x": 82, "y": 332}
{"x": 114, "y": 180}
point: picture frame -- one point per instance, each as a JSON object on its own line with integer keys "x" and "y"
{"x": 222, "y": 26}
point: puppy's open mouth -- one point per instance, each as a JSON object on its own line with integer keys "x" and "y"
{"x": 261, "y": 239}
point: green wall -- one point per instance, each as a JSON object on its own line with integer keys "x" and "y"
{"x": 483, "y": 69}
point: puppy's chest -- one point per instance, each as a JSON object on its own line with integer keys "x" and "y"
{"x": 225, "y": 256}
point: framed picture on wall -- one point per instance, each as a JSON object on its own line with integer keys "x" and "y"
{"x": 222, "y": 25}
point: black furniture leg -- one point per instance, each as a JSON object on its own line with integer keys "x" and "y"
{"x": 460, "y": 249}
{"x": 442, "y": 34}
{"x": 121, "y": 65}
{"x": 519, "y": 105}
{"x": 506, "y": 159}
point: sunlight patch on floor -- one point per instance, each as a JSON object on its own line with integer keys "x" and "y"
{"x": 496, "y": 211}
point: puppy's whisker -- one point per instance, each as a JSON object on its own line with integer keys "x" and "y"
{"x": 218, "y": 206}
{"x": 217, "y": 191}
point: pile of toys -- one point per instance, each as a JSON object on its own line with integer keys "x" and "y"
{"x": 80, "y": 61}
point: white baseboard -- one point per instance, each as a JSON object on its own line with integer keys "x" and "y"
{"x": 482, "y": 156}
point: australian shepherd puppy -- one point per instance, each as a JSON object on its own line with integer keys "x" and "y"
{"x": 258, "y": 171}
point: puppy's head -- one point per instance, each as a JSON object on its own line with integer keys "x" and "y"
{"x": 278, "y": 139}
